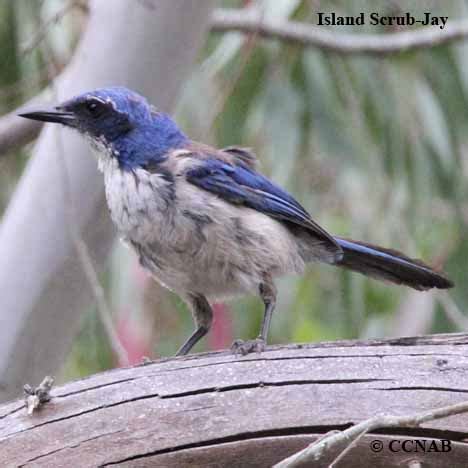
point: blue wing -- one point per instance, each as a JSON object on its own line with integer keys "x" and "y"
{"x": 242, "y": 185}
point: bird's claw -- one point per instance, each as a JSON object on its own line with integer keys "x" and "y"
{"x": 249, "y": 346}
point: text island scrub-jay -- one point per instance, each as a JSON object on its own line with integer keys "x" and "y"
{"x": 203, "y": 221}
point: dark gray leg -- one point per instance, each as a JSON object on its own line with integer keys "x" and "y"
{"x": 202, "y": 316}
{"x": 268, "y": 294}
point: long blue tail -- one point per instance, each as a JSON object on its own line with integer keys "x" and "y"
{"x": 390, "y": 265}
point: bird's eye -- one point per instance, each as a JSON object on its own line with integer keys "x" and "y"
{"x": 94, "y": 108}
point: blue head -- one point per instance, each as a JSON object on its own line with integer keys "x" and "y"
{"x": 120, "y": 121}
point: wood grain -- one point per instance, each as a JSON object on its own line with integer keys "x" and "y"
{"x": 216, "y": 409}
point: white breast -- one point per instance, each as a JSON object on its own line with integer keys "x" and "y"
{"x": 137, "y": 201}
{"x": 192, "y": 240}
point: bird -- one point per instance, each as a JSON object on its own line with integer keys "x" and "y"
{"x": 205, "y": 222}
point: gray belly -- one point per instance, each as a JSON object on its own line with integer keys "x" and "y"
{"x": 192, "y": 241}
{"x": 201, "y": 257}
{"x": 218, "y": 258}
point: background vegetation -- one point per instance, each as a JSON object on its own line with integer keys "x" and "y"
{"x": 375, "y": 148}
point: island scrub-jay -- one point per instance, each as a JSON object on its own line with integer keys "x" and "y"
{"x": 203, "y": 221}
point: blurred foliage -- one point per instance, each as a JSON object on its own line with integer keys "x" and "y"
{"x": 374, "y": 147}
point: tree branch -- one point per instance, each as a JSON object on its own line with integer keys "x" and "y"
{"x": 254, "y": 410}
{"x": 315, "y": 451}
{"x": 16, "y": 132}
{"x": 224, "y": 20}
{"x": 54, "y": 19}
{"x": 44, "y": 288}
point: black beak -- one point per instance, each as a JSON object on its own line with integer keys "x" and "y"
{"x": 55, "y": 115}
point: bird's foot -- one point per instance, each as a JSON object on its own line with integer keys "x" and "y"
{"x": 249, "y": 346}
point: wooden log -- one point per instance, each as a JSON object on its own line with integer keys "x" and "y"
{"x": 217, "y": 409}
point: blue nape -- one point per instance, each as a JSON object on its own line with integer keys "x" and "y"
{"x": 149, "y": 142}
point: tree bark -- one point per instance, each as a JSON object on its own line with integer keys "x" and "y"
{"x": 145, "y": 46}
{"x": 216, "y": 409}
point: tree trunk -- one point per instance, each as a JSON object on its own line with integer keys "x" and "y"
{"x": 148, "y": 46}
{"x": 220, "y": 410}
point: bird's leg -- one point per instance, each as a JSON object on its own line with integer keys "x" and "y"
{"x": 267, "y": 291}
{"x": 202, "y": 316}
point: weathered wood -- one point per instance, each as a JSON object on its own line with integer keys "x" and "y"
{"x": 216, "y": 409}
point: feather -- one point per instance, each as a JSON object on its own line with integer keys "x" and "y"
{"x": 390, "y": 265}
{"x": 240, "y": 184}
